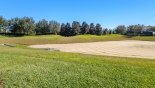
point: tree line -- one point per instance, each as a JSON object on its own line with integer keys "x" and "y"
{"x": 135, "y": 30}
{"x": 28, "y": 26}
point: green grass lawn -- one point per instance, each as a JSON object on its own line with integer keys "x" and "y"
{"x": 33, "y": 68}
{"x": 22, "y": 67}
{"x": 56, "y": 39}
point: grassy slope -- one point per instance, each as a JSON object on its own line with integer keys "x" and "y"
{"x": 22, "y": 67}
{"x": 30, "y": 68}
{"x": 55, "y": 39}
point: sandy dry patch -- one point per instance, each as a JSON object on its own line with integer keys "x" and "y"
{"x": 139, "y": 49}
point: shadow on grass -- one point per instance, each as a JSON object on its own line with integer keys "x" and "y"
{"x": 11, "y": 35}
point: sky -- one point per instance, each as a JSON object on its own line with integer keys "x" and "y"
{"x": 109, "y": 13}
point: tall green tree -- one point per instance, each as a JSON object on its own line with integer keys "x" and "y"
{"x": 92, "y": 29}
{"x": 24, "y": 26}
{"x": 2, "y": 20}
{"x": 68, "y": 30}
{"x": 134, "y": 29}
{"x": 54, "y": 27}
{"x": 152, "y": 28}
{"x": 14, "y": 22}
{"x": 110, "y": 31}
{"x": 84, "y": 28}
{"x": 121, "y": 29}
{"x": 98, "y": 29}
{"x": 63, "y": 29}
{"x": 28, "y": 25}
{"x": 75, "y": 28}
{"x": 42, "y": 27}
{"x": 105, "y": 31}
{"x": 3, "y": 24}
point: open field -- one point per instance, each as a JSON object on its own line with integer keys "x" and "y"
{"x": 56, "y": 39}
{"x": 32, "y": 68}
{"x": 140, "y": 49}
{"x": 23, "y": 67}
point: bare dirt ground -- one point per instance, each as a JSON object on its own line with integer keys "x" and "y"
{"x": 138, "y": 49}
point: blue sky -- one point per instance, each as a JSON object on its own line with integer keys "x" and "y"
{"x": 109, "y": 13}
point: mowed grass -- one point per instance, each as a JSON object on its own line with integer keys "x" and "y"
{"x": 56, "y": 39}
{"x": 22, "y": 67}
{"x": 33, "y": 68}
